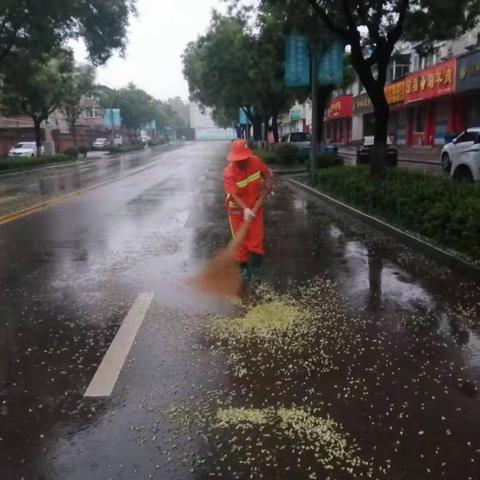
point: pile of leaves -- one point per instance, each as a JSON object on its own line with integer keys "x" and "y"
{"x": 443, "y": 211}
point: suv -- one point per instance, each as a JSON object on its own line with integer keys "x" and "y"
{"x": 462, "y": 156}
{"x": 300, "y": 139}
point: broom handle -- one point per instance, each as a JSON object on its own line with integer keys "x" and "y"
{"x": 241, "y": 233}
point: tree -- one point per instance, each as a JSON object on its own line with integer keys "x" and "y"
{"x": 239, "y": 66}
{"x": 372, "y": 28}
{"x": 36, "y": 87}
{"x": 42, "y": 27}
{"x": 81, "y": 83}
{"x": 136, "y": 106}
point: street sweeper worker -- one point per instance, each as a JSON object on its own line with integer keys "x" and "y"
{"x": 246, "y": 179}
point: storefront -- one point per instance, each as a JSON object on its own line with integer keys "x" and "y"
{"x": 339, "y": 120}
{"x": 468, "y": 90}
{"x": 432, "y": 112}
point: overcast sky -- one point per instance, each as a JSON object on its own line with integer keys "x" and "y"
{"x": 157, "y": 39}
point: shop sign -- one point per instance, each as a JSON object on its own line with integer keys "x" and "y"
{"x": 395, "y": 92}
{"x": 431, "y": 83}
{"x": 340, "y": 107}
{"x": 468, "y": 72}
{"x": 362, "y": 104}
{"x": 295, "y": 115}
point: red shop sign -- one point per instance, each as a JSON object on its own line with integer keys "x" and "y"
{"x": 340, "y": 107}
{"x": 431, "y": 82}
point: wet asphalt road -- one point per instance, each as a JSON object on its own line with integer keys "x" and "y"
{"x": 69, "y": 274}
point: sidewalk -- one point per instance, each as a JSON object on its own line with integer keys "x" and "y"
{"x": 407, "y": 154}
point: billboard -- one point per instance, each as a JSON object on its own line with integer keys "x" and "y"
{"x": 431, "y": 83}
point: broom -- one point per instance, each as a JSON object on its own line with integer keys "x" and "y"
{"x": 221, "y": 276}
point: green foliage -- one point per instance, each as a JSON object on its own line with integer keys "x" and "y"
{"x": 330, "y": 159}
{"x": 126, "y": 148}
{"x": 446, "y": 212}
{"x": 80, "y": 83}
{"x": 71, "y": 153}
{"x": 267, "y": 156}
{"x": 288, "y": 154}
{"x": 30, "y": 27}
{"x": 83, "y": 150}
{"x": 28, "y": 162}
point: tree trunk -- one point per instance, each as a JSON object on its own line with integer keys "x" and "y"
{"x": 37, "y": 125}
{"x": 275, "y": 127}
{"x": 378, "y": 162}
{"x": 324, "y": 94}
{"x": 257, "y": 128}
{"x": 73, "y": 128}
{"x": 265, "y": 132}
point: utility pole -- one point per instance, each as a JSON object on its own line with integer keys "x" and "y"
{"x": 313, "y": 73}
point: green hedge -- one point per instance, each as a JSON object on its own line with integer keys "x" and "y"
{"x": 127, "y": 148}
{"x": 266, "y": 155}
{"x": 446, "y": 212}
{"x": 28, "y": 162}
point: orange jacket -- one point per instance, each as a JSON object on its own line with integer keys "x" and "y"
{"x": 246, "y": 183}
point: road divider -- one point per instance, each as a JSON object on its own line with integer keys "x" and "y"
{"x": 106, "y": 376}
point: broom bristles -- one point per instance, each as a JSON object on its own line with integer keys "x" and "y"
{"x": 220, "y": 277}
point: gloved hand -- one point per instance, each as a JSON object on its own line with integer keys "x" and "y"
{"x": 248, "y": 214}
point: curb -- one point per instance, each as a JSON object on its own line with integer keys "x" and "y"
{"x": 290, "y": 172}
{"x": 425, "y": 247}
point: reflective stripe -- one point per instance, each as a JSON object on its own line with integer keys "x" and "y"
{"x": 248, "y": 180}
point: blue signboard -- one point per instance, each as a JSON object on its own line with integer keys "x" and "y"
{"x": 112, "y": 118}
{"x": 297, "y": 61}
{"x": 150, "y": 125}
{"x": 242, "y": 118}
{"x": 330, "y": 68}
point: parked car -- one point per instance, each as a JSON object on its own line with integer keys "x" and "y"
{"x": 25, "y": 149}
{"x": 118, "y": 142}
{"x": 462, "y": 156}
{"x": 365, "y": 150}
{"x": 100, "y": 144}
{"x": 300, "y": 139}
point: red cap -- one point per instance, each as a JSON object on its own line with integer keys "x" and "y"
{"x": 239, "y": 151}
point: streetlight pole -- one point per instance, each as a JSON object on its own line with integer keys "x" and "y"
{"x": 313, "y": 74}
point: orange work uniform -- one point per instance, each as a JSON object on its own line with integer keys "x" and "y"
{"x": 246, "y": 183}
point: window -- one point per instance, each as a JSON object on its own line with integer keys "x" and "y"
{"x": 92, "y": 112}
{"x": 467, "y": 137}
{"x": 300, "y": 137}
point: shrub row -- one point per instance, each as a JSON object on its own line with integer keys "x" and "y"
{"x": 28, "y": 162}
{"x": 126, "y": 148}
{"x": 289, "y": 154}
{"x": 446, "y": 212}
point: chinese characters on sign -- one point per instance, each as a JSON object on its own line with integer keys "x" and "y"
{"x": 340, "y": 107}
{"x": 432, "y": 82}
{"x": 297, "y": 61}
{"x": 395, "y": 92}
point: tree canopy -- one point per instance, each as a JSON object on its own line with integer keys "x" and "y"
{"x": 40, "y": 27}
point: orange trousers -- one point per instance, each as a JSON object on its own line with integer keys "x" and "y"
{"x": 253, "y": 242}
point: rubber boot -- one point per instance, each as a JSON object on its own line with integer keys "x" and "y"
{"x": 244, "y": 271}
{"x": 255, "y": 264}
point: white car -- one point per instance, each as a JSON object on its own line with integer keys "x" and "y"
{"x": 100, "y": 144}
{"x": 300, "y": 139}
{"x": 462, "y": 156}
{"x": 24, "y": 149}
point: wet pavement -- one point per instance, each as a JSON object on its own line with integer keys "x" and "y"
{"x": 402, "y": 381}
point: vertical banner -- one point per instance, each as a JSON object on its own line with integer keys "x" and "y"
{"x": 297, "y": 61}
{"x": 242, "y": 117}
{"x": 330, "y": 68}
{"x": 112, "y": 118}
